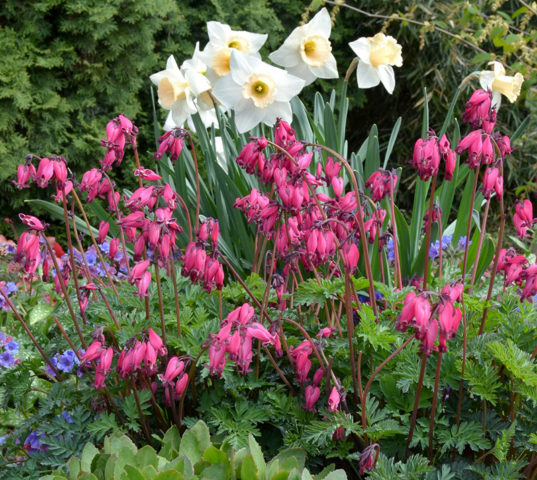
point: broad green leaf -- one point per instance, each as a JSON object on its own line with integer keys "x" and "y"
{"x": 40, "y": 313}
{"x": 195, "y": 441}
{"x": 248, "y": 469}
{"x": 147, "y": 456}
{"x": 87, "y": 456}
{"x": 336, "y": 475}
{"x": 214, "y": 455}
{"x": 170, "y": 443}
{"x": 257, "y": 454}
{"x": 132, "y": 473}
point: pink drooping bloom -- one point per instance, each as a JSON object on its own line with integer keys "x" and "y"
{"x": 381, "y": 183}
{"x": 119, "y": 132}
{"x": 147, "y": 174}
{"x": 32, "y": 222}
{"x": 252, "y": 157}
{"x": 492, "y": 182}
{"x": 157, "y": 343}
{"x": 284, "y": 135}
{"x": 449, "y": 318}
{"x": 25, "y": 171}
{"x": 333, "y": 400}
{"x": 368, "y": 458}
{"x": 90, "y": 183}
{"x": 45, "y": 172}
{"x": 426, "y": 157}
{"x": 103, "y": 231}
{"x": 103, "y": 367}
{"x": 172, "y": 143}
{"x": 93, "y": 352}
{"x": 173, "y": 369}
{"x": 312, "y": 394}
{"x": 523, "y": 218}
{"x": 478, "y": 110}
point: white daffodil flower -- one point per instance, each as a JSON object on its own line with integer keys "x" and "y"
{"x": 204, "y": 101}
{"x": 222, "y": 40}
{"x": 500, "y": 83}
{"x": 184, "y": 93}
{"x": 257, "y": 91}
{"x": 376, "y": 56}
{"x": 177, "y": 90}
{"x": 307, "y": 52}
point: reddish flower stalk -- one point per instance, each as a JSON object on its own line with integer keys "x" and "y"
{"x": 32, "y": 338}
{"x": 143, "y": 420}
{"x": 64, "y": 289}
{"x": 350, "y": 334}
{"x": 429, "y": 224}
{"x": 496, "y": 258}
{"x": 373, "y": 376}
{"x": 433, "y": 407}
{"x": 71, "y": 254}
{"x": 176, "y": 295}
{"x": 361, "y": 227}
{"x": 160, "y": 300}
{"x": 480, "y": 244}
{"x": 416, "y": 405}
{"x": 97, "y": 249}
{"x": 121, "y": 233}
{"x": 397, "y": 273}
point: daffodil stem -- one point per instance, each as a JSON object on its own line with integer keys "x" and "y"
{"x": 429, "y": 222}
{"x": 479, "y": 245}
{"x": 469, "y": 225}
{"x": 195, "y": 159}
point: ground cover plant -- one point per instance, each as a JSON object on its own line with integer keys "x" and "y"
{"x": 261, "y": 296}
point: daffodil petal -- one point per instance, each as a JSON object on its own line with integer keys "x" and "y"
{"x": 498, "y": 69}
{"x": 171, "y": 64}
{"x": 328, "y": 70}
{"x": 247, "y": 116}
{"x": 496, "y": 99}
{"x": 320, "y": 24}
{"x": 277, "y": 110}
{"x": 485, "y": 79}
{"x": 227, "y": 92}
{"x": 387, "y": 77}
{"x": 304, "y": 72}
{"x": 198, "y": 83}
{"x": 362, "y": 49}
{"x": 218, "y": 32}
{"x": 287, "y": 55}
{"x": 367, "y": 75}
{"x": 288, "y": 87}
{"x": 242, "y": 66}
{"x": 256, "y": 40}
{"x": 169, "y": 124}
